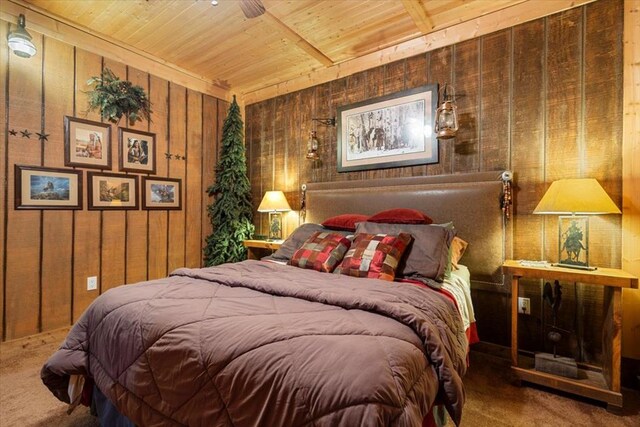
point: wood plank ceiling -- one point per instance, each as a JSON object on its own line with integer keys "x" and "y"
{"x": 291, "y": 39}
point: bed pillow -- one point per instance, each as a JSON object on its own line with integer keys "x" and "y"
{"x": 428, "y": 254}
{"x": 374, "y": 255}
{"x": 401, "y": 216}
{"x": 294, "y": 241}
{"x": 323, "y": 251}
{"x": 345, "y": 222}
{"x": 458, "y": 247}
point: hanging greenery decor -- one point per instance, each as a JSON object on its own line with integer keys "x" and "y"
{"x": 116, "y": 98}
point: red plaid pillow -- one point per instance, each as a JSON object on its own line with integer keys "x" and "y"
{"x": 323, "y": 251}
{"x": 374, "y": 255}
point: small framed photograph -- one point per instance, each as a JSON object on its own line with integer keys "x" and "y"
{"x": 87, "y": 144}
{"x": 47, "y": 188}
{"x": 161, "y": 193}
{"x": 137, "y": 151}
{"x": 112, "y": 191}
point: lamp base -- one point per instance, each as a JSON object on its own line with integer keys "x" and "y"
{"x": 275, "y": 226}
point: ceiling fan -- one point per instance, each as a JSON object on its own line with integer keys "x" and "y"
{"x": 252, "y": 8}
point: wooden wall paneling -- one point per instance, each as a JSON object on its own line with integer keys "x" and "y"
{"x": 23, "y": 233}
{"x": 356, "y": 92}
{"x": 253, "y": 133}
{"x": 440, "y": 71}
{"x": 266, "y": 167}
{"x": 177, "y": 169}
{"x": 4, "y": 167}
{"x": 193, "y": 202}
{"x": 528, "y": 137}
{"x": 294, "y": 144}
{"x": 138, "y": 220}
{"x": 306, "y": 113}
{"x": 602, "y": 125}
{"x": 114, "y": 222}
{"x": 415, "y": 75}
{"x": 495, "y": 102}
{"x": 467, "y": 84}
{"x": 57, "y": 226}
{"x": 279, "y": 143}
{"x": 158, "y": 220}
{"x": 337, "y": 98}
{"x": 87, "y": 232}
{"x": 394, "y": 82}
{"x": 209, "y": 159}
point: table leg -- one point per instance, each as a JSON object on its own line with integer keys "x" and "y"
{"x": 514, "y": 321}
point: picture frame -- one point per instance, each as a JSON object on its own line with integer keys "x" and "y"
{"x": 47, "y": 188}
{"x": 137, "y": 151}
{"x": 161, "y": 193}
{"x": 112, "y": 191}
{"x": 390, "y": 131}
{"x": 87, "y": 143}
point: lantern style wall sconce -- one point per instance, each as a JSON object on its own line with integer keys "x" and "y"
{"x": 19, "y": 40}
{"x": 312, "y": 146}
{"x": 447, "y": 115}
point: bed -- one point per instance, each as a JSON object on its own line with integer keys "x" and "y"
{"x": 261, "y": 343}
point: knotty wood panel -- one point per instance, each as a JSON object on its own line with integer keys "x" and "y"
{"x": 266, "y": 166}
{"x": 114, "y": 222}
{"x": 57, "y": 232}
{"x": 137, "y": 221}
{"x": 177, "y": 169}
{"x": 337, "y": 97}
{"x": 441, "y": 72}
{"x": 193, "y": 178}
{"x": 306, "y": 108}
{"x": 4, "y": 172}
{"x": 294, "y": 144}
{"x": 87, "y": 243}
{"x": 467, "y": 82}
{"x": 209, "y": 159}
{"x": 23, "y": 232}
{"x": 158, "y": 220}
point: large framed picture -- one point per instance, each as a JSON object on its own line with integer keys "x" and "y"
{"x": 112, "y": 191}
{"x": 47, "y": 188}
{"x": 87, "y": 144}
{"x": 161, "y": 193}
{"x": 390, "y": 131}
{"x": 137, "y": 151}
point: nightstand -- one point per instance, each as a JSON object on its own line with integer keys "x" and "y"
{"x": 257, "y": 249}
{"x": 604, "y": 385}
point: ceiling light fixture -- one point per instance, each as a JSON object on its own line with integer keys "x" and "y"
{"x": 19, "y": 40}
{"x": 214, "y": 2}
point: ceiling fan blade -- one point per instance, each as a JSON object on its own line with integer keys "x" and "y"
{"x": 252, "y": 8}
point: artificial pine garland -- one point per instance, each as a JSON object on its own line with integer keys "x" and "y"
{"x": 116, "y": 98}
{"x": 231, "y": 212}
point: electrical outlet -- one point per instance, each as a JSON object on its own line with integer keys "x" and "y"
{"x": 524, "y": 305}
{"x": 92, "y": 283}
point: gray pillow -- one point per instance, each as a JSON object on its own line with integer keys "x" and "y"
{"x": 296, "y": 239}
{"x": 428, "y": 254}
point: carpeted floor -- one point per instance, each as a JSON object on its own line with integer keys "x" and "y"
{"x": 491, "y": 399}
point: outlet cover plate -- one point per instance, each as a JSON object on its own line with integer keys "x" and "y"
{"x": 524, "y": 305}
{"x": 92, "y": 283}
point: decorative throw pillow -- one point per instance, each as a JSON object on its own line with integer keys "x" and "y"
{"x": 401, "y": 216}
{"x": 345, "y": 222}
{"x": 294, "y": 241}
{"x": 428, "y": 254}
{"x": 458, "y": 246}
{"x": 323, "y": 251}
{"x": 374, "y": 255}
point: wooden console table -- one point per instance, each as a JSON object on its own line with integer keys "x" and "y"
{"x": 603, "y": 386}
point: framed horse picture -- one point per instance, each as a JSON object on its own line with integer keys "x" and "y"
{"x": 390, "y": 131}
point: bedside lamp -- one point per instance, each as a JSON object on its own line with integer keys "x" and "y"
{"x": 574, "y": 200}
{"x": 275, "y": 203}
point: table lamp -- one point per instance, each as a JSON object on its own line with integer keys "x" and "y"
{"x": 275, "y": 203}
{"x": 574, "y": 200}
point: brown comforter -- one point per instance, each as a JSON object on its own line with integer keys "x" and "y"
{"x": 256, "y": 343}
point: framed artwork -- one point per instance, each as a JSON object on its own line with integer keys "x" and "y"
{"x": 390, "y": 131}
{"x": 87, "y": 144}
{"x": 112, "y": 191}
{"x": 137, "y": 151}
{"x": 47, "y": 188}
{"x": 161, "y": 193}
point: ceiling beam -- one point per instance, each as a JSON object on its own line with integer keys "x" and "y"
{"x": 419, "y": 15}
{"x": 50, "y": 25}
{"x": 504, "y": 18}
{"x": 296, "y": 38}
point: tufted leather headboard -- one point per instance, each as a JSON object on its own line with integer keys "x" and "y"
{"x": 472, "y": 201}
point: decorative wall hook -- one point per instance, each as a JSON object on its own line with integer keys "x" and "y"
{"x": 327, "y": 122}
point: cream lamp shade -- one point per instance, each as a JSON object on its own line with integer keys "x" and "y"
{"x": 572, "y": 200}
{"x": 274, "y": 201}
{"x": 576, "y": 196}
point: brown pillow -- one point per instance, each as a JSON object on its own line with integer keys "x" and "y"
{"x": 428, "y": 254}
{"x": 458, "y": 246}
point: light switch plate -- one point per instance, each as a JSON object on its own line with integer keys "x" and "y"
{"x": 92, "y": 283}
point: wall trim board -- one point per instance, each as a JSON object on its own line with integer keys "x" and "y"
{"x": 502, "y": 19}
{"x": 61, "y": 29}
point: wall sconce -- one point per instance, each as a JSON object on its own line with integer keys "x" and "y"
{"x": 331, "y": 121}
{"x": 312, "y": 146}
{"x": 275, "y": 203}
{"x": 19, "y": 40}
{"x": 447, "y": 116}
